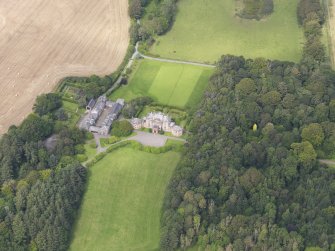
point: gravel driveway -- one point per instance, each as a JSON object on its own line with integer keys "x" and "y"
{"x": 149, "y": 139}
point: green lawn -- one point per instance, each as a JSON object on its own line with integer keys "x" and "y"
{"x": 168, "y": 83}
{"x": 90, "y": 152}
{"x": 121, "y": 208}
{"x": 206, "y": 29}
{"x": 70, "y": 107}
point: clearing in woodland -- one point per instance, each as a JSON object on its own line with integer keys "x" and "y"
{"x": 171, "y": 84}
{"x": 44, "y": 41}
{"x": 121, "y": 208}
{"x": 206, "y": 29}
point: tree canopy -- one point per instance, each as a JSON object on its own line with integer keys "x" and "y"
{"x": 242, "y": 189}
{"x": 46, "y": 103}
{"x": 122, "y": 128}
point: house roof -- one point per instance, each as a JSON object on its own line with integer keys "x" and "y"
{"x": 91, "y": 103}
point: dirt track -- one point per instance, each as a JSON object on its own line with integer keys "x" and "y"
{"x": 44, "y": 41}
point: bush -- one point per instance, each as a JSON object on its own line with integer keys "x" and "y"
{"x": 81, "y": 157}
{"x": 122, "y": 128}
{"x": 135, "y": 9}
{"x": 109, "y": 141}
{"x": 134, "y": 107}
{"x": 89, "y": 136}
{"x": 256, "y": 9}
{"x": 79, "y": 149}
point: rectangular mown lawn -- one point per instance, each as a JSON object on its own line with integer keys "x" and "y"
{"x": 167, "y": 83}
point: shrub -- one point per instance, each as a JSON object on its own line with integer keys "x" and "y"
{"x": 109, "y": 141}
{"x": 134, "y": 107}
{"x": 122, "y": 128}
{"x": 81, "y": 157}
{"x": 80, "y": 149}
{"x": 256, "y": 9}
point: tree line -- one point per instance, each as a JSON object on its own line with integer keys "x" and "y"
{"x": 311, "y": 17}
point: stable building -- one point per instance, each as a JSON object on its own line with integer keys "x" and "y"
{"x": 100, "y": 115}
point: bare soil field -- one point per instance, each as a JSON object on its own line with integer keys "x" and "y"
{"x": 44, "y": 41}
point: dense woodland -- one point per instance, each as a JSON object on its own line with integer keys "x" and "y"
{"x": 41, "y": 182}
{"x": 250, "y": 178}
{"x": 243, "y": 188}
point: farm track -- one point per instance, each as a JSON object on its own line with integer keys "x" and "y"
{"x": 171, "y": 60}
{"x": 42, "y": 42}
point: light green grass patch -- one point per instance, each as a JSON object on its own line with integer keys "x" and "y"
{"x": 90, "y": 151}
{"x": 122, "y": 205}
{"x": 206, "y": 29}
{"x": 167, "y": 83}
{"x": 140, "y": 81}
{"x": 73, "y": 111}
{"x": 176, "y": 89}
{"x": 70, "y": 107}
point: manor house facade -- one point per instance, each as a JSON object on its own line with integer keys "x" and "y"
{"x": 157, "y": 121}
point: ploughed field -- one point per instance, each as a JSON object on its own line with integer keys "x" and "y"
{"x": 121, "y": 208}
{"x": 206, "y": 29}
{"x": 170, "y": 84}
{"x": 44, "y": 41}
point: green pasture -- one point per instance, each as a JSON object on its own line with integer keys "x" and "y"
{"x": 167, "y": 83}
{"x": 206, "y": 29}
{"x": 121, "y": 208}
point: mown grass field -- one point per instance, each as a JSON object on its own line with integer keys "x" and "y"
{"x": 121, "y": 208}
{"x": 206, "y": 29}
{"x": 167, "y": 83}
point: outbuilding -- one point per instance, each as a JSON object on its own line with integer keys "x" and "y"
{"x": 90, "y": 105}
